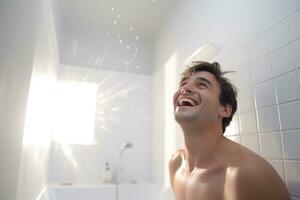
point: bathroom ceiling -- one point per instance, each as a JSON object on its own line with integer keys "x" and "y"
{"x": 89, "y": 32}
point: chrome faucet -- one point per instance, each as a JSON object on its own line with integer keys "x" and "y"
{"x": 119, "y": 177}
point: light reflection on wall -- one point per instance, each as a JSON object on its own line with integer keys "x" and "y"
{"x": 76, "y": 106}
{"x": 39, "y": 113}
{"x": 170, "y": 128}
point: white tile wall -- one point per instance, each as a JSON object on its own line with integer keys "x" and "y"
{"x": 278, "y": 36}
{"x": 251, "y": 142}
{"x": 261, "y": 70}
{"x": 291, "y": 144}
{"x": 294, "y": 21}
{"x": 248, "y": 122}
{"x": 278, "y": 166}
{"x": 282, "y": 60}
{"x": 258, "y": 47}
{"x": 246, "y": 100}
{"x": 290, "y": 115}
{"x": 292, "y": 170}
{"x": 265, "y": 94}
{"x": 288, "y": 87}
{"x": 296, "y": 46}
{"x": 241, "y": 57}
{"x": 235, "y": 138}
{"x": 270, "y": 145}
{"x": 268, "y": 119}
{"x": 243, "y": 80}
{"x": 233, "y": 128}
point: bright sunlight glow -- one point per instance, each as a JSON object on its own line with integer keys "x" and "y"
{"x": 76, "y": 106}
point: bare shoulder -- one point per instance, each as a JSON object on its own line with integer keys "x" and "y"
{"x": 176, "y": 158}
{"x": 175, "y": 162}
{"x": 252, "y": 177}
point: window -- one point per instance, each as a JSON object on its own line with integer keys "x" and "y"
{"x": 75, "y": 118}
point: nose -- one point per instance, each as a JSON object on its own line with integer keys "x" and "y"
{"x": 186, "y": 89}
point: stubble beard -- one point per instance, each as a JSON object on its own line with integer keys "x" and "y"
{"x": 186, "y": 116}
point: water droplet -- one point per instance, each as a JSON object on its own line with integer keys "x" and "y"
{"x": 136, "y": 49}
{"x": 128, "y": 47}
{"x": 115, "y": 21}
{"x": 137, "y": 37}
{"x": 112, "y": 8}
{"x": 121, "y": 41}
{"x": 131, "y": 28}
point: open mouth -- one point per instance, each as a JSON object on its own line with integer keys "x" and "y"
{"x": 187, "y": 102}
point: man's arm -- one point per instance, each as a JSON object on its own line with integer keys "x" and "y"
{"x": 255, "y": 178}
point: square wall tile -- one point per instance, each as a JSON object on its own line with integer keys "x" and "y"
{"x": 233, "y": 128}
{"x": 251, "y": 142}
{"x": 243, "y": 78}
{"x": 265, "y": 94}
{"x": 258, "y": 47}
{"x": 268, "y": 119}
{"x": 270, "y": 145}
{"x": 282, "y": 60}
{"x": 278, "y": 36}
{"x": 291, "y": 147}
{"x": 261, "y": 70}
{"x": 290, "y": 116}
{"x": 248, "y": 122}
{"x": 246, "y": 100}
{"x": 288, "y": 87}
{"x": 278, "y": 166}
{"x": 294, "y": 22}
{"x": 296, "y": 46}
{"x": 241, "y": 57}
{"x": 236, "y": 139}
{"x": 232, "y": 77}
{"x": 227, "y": 63}
{"x": 292, "y": 170}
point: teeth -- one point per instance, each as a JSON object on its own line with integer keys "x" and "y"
{"x": 187, "y": 100}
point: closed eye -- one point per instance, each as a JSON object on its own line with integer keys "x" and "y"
{"x": 202, "y": 85}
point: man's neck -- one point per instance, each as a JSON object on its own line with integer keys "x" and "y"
{"x": 201, "y": 145}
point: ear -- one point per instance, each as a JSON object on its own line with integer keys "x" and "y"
{"x": 226, "y": 111}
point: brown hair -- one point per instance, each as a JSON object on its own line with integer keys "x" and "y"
{"x": 228, "y": 92}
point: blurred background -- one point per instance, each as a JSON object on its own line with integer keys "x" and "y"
{"x": 79, "y": 79}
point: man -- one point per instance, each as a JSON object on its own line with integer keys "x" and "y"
{"x": 210, "y": 166}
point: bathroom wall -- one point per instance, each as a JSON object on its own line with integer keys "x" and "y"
{"x": 268, "y": 79}
{"x": 32, "y": 180}
{"x": 123, "y": 113}
{"x": 18, "y": 22}
{"x": 259, "y": 40}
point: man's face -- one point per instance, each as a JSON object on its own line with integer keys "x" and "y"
{"x": 197, "y": 99}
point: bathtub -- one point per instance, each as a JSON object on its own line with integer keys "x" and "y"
{"x": 145, "y": 191}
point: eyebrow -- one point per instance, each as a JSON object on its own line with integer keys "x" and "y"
{"x": 198, "y": 79}
{"x": 204, "y": 80}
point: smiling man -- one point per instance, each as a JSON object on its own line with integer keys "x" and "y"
{"x": 210, "y": 166}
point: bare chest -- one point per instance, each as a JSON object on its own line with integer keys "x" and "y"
{"x": 200, "y": 184}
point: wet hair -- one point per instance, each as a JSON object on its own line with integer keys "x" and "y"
{"x": 228, "y": 92}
